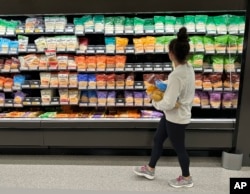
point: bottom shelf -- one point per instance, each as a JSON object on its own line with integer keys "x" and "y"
{"x": 110, "y": 133}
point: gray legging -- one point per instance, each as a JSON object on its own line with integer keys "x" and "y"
{"x": 176, "y": 134}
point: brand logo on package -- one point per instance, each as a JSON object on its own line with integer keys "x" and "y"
{"x": 239, "y": 185}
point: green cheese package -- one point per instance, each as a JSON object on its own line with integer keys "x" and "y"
{"x": 210, "y": 26}
{"x": 79, "y": 27}
{"x": 220, "y": 43}
{"x": 22, "y": 42}
{"x": 229, "y": 63}
{"x": 178, "y": 24}
{"x": 119, "y": 23}
{"x": 198, "y": 43}
{"x": 232, "y": 43}
{"x": 209, "y": 44}
{"x": 198, "y": 60}
{"x": 88, "y": 23}
{"x": 200, "y": 23}
{"x": 191, "y": 44}
{"x": 218, "y": 63}
{"x": 167, "y": 41}
{"x": 189, "y": 23}
{"x": 109, "y": 24}
{"x": 233, "y": 24}
{"x": 171, "y": 24}
{"x": 242, "y": 24}
{"x": 139, "y": 25}
{"x": 99, "y": 23}
{"x": 221, "y": 24}
{"x": 159, "y": 22}
{"x": 129, "y": 25}
{"x": 160, "y": 44}
{"x": 240, "y": 44}
{"x": 47, "y": 115}
{"x": 190, "y": 60}
{"x": 149, "y": 25}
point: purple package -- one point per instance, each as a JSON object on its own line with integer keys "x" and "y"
{"x": 102, "y": 94}
{"x": 203, "y": 95}
{"x": 138, "y": 94}
{"x": 128, "y": 94}
{"x": 111, "y": 94}
{"x": 215, "y": 96}
{"x": 2, "y": 97}
{"x": 228, "y": 96}
{"x": 150, "y": 114}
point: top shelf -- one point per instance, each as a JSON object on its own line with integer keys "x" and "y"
{"x": 70, "y": 29}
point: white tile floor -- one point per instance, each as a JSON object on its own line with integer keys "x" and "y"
{"x": 110, "y": 174}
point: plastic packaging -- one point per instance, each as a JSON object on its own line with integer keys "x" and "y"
{"x": 200, "y": 23}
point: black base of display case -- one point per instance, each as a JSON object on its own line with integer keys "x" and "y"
{"x": 202, "y": 134}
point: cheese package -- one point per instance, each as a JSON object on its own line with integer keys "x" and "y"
{"x": 62, "y": 61}
{"x": 102, "y": 97}
{"x": 64, "y": 95}
{"x": 91, "y": 62}
{"x": 101, "y": 62}
{"x": 82, "y": 80}
{"x": 120, "y": 61}
{"x": 63, "y": 79}
{"x": 46, "y": 95}
{"x": 19, "y": 97}
{"x": 80, "y": 62}
{"x": 110, "y": 80}
{"x": 101, "y": 80}
{"x": 45, "y": 78}
{"x": 73, "y": 82}
{"x": 74, "y": 96}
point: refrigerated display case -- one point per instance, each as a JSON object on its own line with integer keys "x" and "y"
{"x": 75, "y": 76}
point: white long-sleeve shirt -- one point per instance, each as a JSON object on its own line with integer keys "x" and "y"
{"x": 181, "y": 89}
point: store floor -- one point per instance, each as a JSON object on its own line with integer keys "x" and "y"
{"x": 110, "y": 173}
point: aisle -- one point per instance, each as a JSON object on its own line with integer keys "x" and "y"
{"x": 99, "y": 173}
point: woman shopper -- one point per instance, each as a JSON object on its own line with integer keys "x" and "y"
{"x": 180, "y": 90}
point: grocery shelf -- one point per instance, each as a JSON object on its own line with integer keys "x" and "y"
{"x": 101, "y": 49}
{"x": 107, "y": 122}
{"x": 70, "y": 30}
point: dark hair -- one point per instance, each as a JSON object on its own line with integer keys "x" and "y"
{"x": 180, "y": 46}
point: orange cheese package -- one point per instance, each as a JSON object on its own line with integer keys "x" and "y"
{"x": 8, "y": 83}
{"x": 91, "y": 62}
{"x": 111, "y": 61}
{"x": 80, "y": 62}
{"x": 101, "y": 62}
{"x": 120, "y": 61}
{"x": 2, "y": 80}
